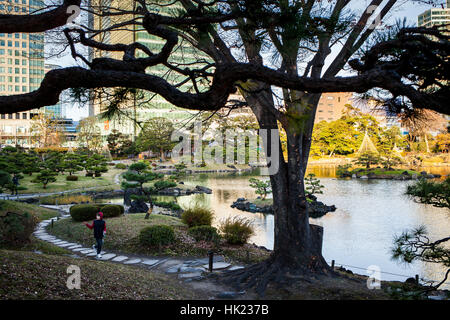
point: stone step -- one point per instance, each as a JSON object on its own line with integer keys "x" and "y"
{"x": 133, "y": 261}
{"x": 150, "y": 262}
{"x": 108, "y": 256}
{"x": 119, "y": 258}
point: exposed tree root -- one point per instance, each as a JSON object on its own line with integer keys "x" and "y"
{"x": 259, "y": 275}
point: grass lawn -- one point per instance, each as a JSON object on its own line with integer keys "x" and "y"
{"x": 61, "y": 184}
{"x": 123, "y": 235}
{"x": 27, "y": 275}
{"x": 261, "y": 202}
{"x": 21, "y": 207}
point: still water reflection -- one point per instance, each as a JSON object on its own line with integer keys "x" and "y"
{"x": 359, "y": 234}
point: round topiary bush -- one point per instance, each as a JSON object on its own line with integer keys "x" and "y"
{"x": 121, "y": 166}
{"x": 84, "y": 212}
{"x": 236, "y": 230}
{"x": 16, "y": 228}
{"x": 111, "y": 210}
{"x": 158, "y": 235}
{"x": 72, "y": 178}
{"x": 197, "y": 216}
{"x": 204, "y": 233}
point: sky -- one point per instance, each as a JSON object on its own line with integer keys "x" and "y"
{"x": 409, "y": 10}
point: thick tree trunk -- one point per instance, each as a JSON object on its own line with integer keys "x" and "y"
{"x": 297, "y": 250}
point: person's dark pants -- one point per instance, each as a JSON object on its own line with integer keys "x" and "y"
{"x": 99, "y": 245}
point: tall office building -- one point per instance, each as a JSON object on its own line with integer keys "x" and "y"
{"x": 331, "y": 106}
{"x": 21, "y": 70}
{"x": 435, "y": 17}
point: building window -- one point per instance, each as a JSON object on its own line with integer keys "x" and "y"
{"x": 24, "y": 115}
{"x": 3, "y": 116}
{"x": 10, "y": 116}
{"x": 17, "y": 115}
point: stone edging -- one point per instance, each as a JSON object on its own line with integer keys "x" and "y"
{"x": 187, "y": 270}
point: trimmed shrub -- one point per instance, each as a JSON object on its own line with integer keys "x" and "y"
{"x": 158, "y": 235}
{"x": 84, "y": 212}
{"x": 197, "y": 216}
{"x": 16, "y": 229}
{"x": 111, "y": 210}
{"x": 121, "y": 166}
{"x": 204, "y": 233}
{"x": 72, "y": 178}
{"x": 236, "y": 230}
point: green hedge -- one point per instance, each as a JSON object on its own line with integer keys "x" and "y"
{"x": 121, "y": 166}
{"x": 157, "y": 235}
{"x": 84, "y": 212}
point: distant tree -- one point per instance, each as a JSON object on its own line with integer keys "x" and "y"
{"x": 72, "y": 163}
{"x": 390, "y": 159}
{"x": 180, "y": 171}
{"x": 118, "y": 142}
{"x": 45, "y": 177}
{"x": 46, "y": 131}
{"x": 367, "y": 159}
{"x": 420, "y": 125}
{"x": 5, "y": 180}
{"x": 391, "y": 138}
{"x": 95, "y": 165}
{"x": 137, "y": 175}
{"x": 89, "y": 135}
{"x": 430, "y": 192}
{"x": 54, "y": 161}
{"x": 443, "y": 142}
{"x": 31, "y": 163}
{"x": 156, "y": 136}
{"x": 263, "y": 188}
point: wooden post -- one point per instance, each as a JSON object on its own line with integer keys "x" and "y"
{"x": 52, "y": 223}
{"x": 211, "y": 260}
{"x": 332, "y": 264}
{"x": 417, "y": 279}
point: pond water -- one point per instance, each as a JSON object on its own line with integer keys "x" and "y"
{"x": 359, "y": 234}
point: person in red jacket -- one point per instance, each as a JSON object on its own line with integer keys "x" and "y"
{"x": 99, "y": 226}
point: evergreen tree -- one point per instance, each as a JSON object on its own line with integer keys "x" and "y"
{"x": 137, "y": 175}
